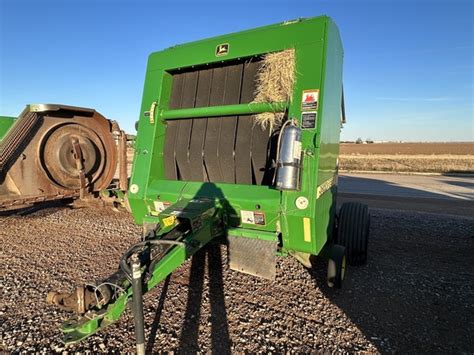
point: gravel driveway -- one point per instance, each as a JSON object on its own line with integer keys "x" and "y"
{"x": 414, "y": 295}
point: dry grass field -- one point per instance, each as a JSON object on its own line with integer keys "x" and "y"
{"x": 408, "y": 157}
{"x": 409, "y": 148}
{"x": 402, "y": 157}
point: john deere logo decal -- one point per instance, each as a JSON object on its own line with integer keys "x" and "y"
{"x": 222, "y": 49}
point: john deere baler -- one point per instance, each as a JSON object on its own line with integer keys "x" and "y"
{"x": 199, "y": 136}
{"x": 238, "y": 141}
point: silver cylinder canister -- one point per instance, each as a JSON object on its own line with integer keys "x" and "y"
{"x": 289, "y": 160}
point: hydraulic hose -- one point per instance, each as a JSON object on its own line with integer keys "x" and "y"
{"x": 138, "y": 304}
{"x": 124, "y": 265}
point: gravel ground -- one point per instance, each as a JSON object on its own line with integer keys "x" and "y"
{"x": 414, "y": 295}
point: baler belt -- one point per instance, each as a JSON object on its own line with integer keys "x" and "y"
{"x": 198, "y": 136}
{"x": 245, "y": 125}
{"x": 225, "y": 150}
{"x": 211, "y": 143}
{"x": 173, "y": 128}
{"x": 184, "y": 131}
{"x": 260, "y": 147}
{"x": 216, "y": 149}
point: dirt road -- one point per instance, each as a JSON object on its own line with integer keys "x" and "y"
{"x": 412, "y": 186}
{"x": 414, "y": 295}
{"x": 448, "y": 195}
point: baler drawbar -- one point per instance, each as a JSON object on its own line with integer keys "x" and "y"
{"x": 186, "y": 227}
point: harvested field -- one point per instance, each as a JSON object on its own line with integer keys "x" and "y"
{"x": 408, "y": 157}
{"x": 408, "y": 163}
{"x": 408, "y": 148}
{"x": 414, "y": 295}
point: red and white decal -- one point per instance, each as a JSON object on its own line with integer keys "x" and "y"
{"x": 251, "y": 217}
{"x": 309, "y": 101}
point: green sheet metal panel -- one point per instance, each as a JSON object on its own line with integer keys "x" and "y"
{"x": 330, "y": 133}
{"x": 318, "y": 66}
{"x": 5, "y": 124}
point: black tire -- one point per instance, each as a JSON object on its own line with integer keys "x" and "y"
{"x": 336, "y": 266}
{"x": 353, "y": 231}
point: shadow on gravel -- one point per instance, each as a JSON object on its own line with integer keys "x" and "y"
{"x": 189, "y": 338}
{"x": 467, "y": 184}
{"x": 45, "y": 207}
{"x": 156, "y": 320}
{"x": 220, "y": 339}
{"x": 364, "y": 185}
{"x": 415, "y": 293}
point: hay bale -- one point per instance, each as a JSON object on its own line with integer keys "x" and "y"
{"x": 275, "y": 80}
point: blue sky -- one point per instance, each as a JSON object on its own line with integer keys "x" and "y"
{"x": 408, "y": 68}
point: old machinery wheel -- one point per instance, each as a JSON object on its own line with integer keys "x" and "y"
{"x": 353, "y": 231}
{"x": 336, "y": 266}
{"x": 70, "y": 149}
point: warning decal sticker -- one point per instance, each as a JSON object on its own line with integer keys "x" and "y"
{"x": 247, "y": 217}
{"x": 308, "y": 120}
{"x": 309, "y": 101}
{"x": 251, "y": 217}
{"x": 259, "y": 218}
{"x": 161, "y": 206}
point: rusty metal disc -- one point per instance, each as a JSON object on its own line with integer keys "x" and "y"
{"x": 59, "y": 160}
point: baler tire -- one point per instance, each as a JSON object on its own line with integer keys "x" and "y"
{"x": 336, "y": 266}
{"x": 353, "y": 231}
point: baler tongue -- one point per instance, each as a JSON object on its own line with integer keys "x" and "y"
{"x": 184, "y": 228}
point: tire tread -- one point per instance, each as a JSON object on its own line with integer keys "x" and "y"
{"x": 353, "y": 231}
